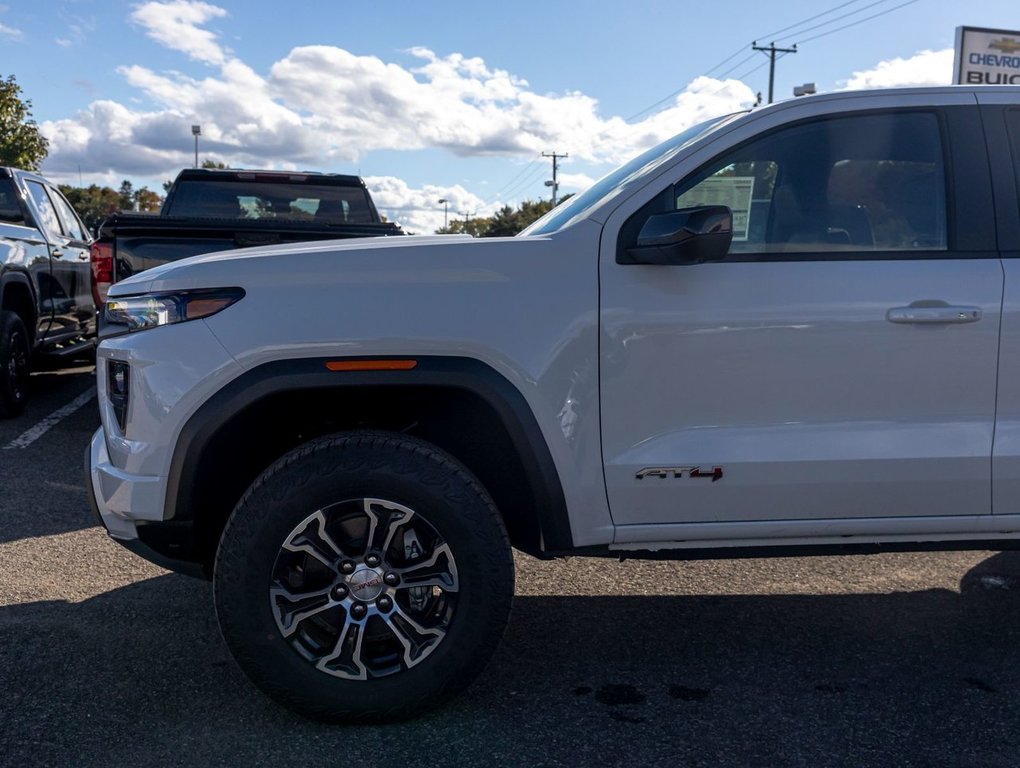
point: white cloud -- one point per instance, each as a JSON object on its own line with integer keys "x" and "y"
{"x": 418, "y": 209}
{"x": 574, "y": 182}
{"x": 322, "y": 107}
{"x": 177, "y": 25}
{"x": 10, "y": 32}
{"x": 923, "y": 68}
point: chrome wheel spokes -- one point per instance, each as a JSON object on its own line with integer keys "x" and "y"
{"x": 291, "y": 608}
{"x": 364, "y": 588}
{"x": 311, "y": 537}
{"x": 384, "y": 520}
{"x": 438, "y": 571}
{"x": 417, "y": 640}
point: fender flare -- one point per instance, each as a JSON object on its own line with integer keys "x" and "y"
{"x": 15, "y": 276}
{"x": 296, "y": 375}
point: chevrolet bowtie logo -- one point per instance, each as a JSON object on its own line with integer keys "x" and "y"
{"x": 1006, "y": 45}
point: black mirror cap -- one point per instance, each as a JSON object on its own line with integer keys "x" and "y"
{"x": 687, "y": 236}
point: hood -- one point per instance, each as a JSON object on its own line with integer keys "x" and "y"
{"x": 197, "y": 271}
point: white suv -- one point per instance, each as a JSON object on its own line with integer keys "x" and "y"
{"x": 790, "y": 330}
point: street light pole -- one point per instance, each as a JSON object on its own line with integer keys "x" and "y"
{"x": 446, "y": 219}
{"x": 196, "y": 131}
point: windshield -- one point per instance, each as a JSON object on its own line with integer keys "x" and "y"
{"x": 244, "y": 199}
{"x": 615, "y": 182}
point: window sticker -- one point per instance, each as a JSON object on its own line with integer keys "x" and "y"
{"x": 735, "y": 192}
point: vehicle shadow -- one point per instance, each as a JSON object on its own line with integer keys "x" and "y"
{"x": 140, "y": 676}
{"x": 42, "y": 485}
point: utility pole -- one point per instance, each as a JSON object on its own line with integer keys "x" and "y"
{"x": 772, "y": 51}
{"x": 554, "y": 184}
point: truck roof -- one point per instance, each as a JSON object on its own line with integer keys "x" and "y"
{"x": 241, "y": 174}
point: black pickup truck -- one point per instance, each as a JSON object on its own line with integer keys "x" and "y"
{"x": 215, "y": 210}
{"x": 46, "y": 307}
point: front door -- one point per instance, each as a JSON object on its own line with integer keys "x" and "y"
{"x": 839, "y": 364}
{"x": 69, "y": 296}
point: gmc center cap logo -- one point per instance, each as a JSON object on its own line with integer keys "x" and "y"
{"x": 366, "y": 584}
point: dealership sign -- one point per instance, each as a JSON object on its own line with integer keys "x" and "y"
{"x": 987, "y": 57}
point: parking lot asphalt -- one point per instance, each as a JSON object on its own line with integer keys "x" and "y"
{"x": 888, "y": 660}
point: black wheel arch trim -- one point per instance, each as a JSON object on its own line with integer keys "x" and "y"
{"x": 16, "y": 276}
{"x": 294, "y": 375}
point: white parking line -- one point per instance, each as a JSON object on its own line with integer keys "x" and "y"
{"x": 29, "y": 436}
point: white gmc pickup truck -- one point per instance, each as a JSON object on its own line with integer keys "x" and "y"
{"x": 795, "y": 329}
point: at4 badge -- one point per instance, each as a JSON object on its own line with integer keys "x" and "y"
{"x": 663, "y": 473}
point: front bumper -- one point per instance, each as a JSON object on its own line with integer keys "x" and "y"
{"x": 122, "y": 499}
{"x": 114, "y": 493}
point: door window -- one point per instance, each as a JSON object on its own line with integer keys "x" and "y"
{"x": 50, "y": 223}
{"x": 72, "y": 224}
{"x": 10, "y": 211}
{"x": 859, "y": 183}
{"x": 1013, "y": 124}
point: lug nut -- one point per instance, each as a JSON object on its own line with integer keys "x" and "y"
{"x": 339, "y": 591}
{"x": 391, "y": 579}
{"x": 372, "y": 560}
{"x": 358, "y": 611}
{"x": 347, "y": 566}
{"x": 384, "y": 603}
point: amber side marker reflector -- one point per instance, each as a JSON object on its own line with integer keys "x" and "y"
{"x": 371, "y": 365}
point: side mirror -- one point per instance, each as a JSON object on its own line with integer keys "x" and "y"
{"x": 687, "y": 236}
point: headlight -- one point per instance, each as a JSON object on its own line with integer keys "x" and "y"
{"x": 137, "y": 313}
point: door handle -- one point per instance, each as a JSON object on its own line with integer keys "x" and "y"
{"x": 56, "y": 253}
{"x": 927, "y": 314}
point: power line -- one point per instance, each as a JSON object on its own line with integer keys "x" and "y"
{"x": 787, "y": 28}
{"x": 524, "y": 182}
{"x": 746, "y": 74}
{"x": 805, "y": 21}
{"x": 680, "y": 90}
{"x": 859, "y": 21}
{"x": 732, "y": 56}
{"x": 519, "y": 174}
{"x": 835, "y": 19}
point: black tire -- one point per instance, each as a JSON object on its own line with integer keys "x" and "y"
{"x": 310, "y": 500}
{"x": 15, "y": 356}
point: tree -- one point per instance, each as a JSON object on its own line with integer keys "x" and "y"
{"x": 147, "y": 200}
{"x": 95, "y": 203}
{"x": 21, "y": 143}
{"x": 506, "y": 222}
{"x": 473, "y": 227}
{"x": 126, "y": 193}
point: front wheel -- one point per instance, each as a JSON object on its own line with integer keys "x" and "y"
{"x": 14, "y": 365}
{"x": 364, "y": 577}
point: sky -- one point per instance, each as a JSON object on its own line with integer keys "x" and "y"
{"x": 452, "y": 100}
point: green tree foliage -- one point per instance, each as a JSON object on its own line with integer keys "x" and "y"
{"x": 506, "y": 222}
{"x": 95, "y": 203}
{"x": 126, "y": 193}
{"x": 21, "y": 143}
{"x": 147, "y": 200}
